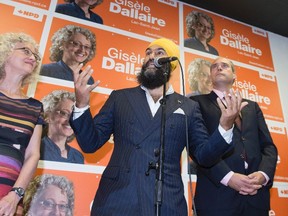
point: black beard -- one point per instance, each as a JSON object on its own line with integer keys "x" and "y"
{"x": 153, "y": 77}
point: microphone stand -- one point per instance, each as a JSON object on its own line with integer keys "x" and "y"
{"x": 160, "y": 164}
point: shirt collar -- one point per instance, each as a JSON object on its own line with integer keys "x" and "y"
{"x": 168, "y": 92}
{"x": 219, "y": 93}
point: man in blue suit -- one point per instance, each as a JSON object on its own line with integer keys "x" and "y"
{"x": 133, "y": 116}
{"x": 228, "y": 187}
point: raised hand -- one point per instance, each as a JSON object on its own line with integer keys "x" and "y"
{"x": 232, "y": 109}
{"x": 82, "y": 90}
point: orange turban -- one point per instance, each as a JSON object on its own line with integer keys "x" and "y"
{"x": 170, "y": 48}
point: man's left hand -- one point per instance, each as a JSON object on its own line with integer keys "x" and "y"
{"x": 232, "y": 109}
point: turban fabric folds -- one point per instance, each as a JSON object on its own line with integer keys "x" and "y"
{"x": 170, "y": 48}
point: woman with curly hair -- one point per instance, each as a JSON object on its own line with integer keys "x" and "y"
{"x": 21, "y": 119}
{"x": 81, "y": 9}
{"x": 49, "y": 195}
{"x": 58, "y": 133}
{"x": 199, "y": 77}
{"x": 200, "y": 29}
{"x": 71, "y": 46}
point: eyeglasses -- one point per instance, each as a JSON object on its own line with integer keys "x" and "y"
{"x": 29, "y": 53}
{"x": 201, "y": 25}
{"x": 63, "y": 114}
{"x": 50, "y": 205}
{"x": 79, "y": 45}
{"x": 222, "y": 64}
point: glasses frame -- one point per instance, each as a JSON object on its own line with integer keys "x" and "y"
{"x": 201, "y": 25}
{"x": 63, "y": 114}
{"x": 50, "y": 205}
{"x": 79, "y": 45}
{"x": 28, "y": 52}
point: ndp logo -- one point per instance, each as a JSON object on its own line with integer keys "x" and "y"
{"x": 284, "y": 193}
{"x": 23, "y": 12}
{"x": 169, "y": 2}
{"x": 283, "y": 190}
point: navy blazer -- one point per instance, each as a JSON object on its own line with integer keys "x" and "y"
{"x": 211, "y": 196}
{"x": 124, "y": 188}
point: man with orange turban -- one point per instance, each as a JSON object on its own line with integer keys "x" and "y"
{"x": 133, "y": 116}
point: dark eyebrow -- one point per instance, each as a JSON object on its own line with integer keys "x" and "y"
{"x": 147, "y": 49}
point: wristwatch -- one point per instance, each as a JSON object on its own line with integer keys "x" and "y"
{"x": 19, "y": 191}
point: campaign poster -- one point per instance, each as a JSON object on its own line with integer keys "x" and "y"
{"x": 279, "y": 135}
{"x": 116, "y": 63}
{"x": 102, "y": 156}
{"x": 279, "y": 199}
{"x": 261, "y": 87}
{"x": 141, "y": 17}
{"x": 22, "y": 19}
{"x": 237, "y": 41}
{"x": 197, "y": 74}
{"x": 85, "y": 182}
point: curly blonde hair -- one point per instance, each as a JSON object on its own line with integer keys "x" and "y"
{"x": 50, "y": 104}
{"x": 194, "y": 72}
{"x": 193, "y": 18}
{"x": 91, "y": 6}
{"x": 64, "y": 35}
{"x": 7, "y": 44}
{"x": 40, "y": 183}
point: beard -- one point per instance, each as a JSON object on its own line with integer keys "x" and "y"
{"x": 152, "y": 78}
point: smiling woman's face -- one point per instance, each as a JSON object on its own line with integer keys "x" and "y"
{"x": 59, "y": 120}
{"x": 77, "y": 49}
{"x": 203, "y": 29}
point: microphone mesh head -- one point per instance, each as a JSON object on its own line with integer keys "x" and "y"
{"x": 156, "y": 63}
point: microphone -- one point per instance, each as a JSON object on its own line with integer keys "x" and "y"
{"x": 158, "y": 62}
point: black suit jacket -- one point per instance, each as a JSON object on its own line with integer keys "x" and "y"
{"x": 124, "y": 188}
{"x": 261, "y": 155}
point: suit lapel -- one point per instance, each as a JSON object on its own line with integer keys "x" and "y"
{"x": 139, "y": 104}
{"x": 141, "y": 109}
{"x": 213, "y": 97}
{"x": 172, "y": 104}
{"x": 245, "y": 116}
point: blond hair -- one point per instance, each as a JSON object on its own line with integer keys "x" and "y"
{"x": 7, "y": 44}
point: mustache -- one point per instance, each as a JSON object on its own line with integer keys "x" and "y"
{"x": 148, "y": 63}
